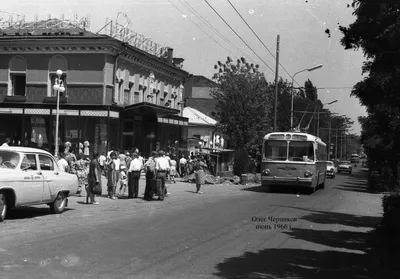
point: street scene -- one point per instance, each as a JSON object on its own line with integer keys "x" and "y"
{"x": 231, "y": 231}
{"x": 200, "y": 139}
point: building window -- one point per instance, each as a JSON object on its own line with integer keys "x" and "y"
{"x": 18, "y": 84}
{"x": 53, "y": 78}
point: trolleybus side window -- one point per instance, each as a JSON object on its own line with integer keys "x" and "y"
{"x": 275, "y": 150}
{"x": 301, "y": 151}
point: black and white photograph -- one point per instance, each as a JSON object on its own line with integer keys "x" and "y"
{"x": 204, "y": 139}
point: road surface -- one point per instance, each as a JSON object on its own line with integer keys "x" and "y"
{"x": 230, "y": 231}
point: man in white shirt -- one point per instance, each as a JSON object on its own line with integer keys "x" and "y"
{"x": 62, "y": 163}
{"x": 162, "y": 167}
{"x": 134, "y": 175}
{"x": 182, "y": 166}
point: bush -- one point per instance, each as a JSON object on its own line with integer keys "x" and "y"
{"x": 241, "y": 162}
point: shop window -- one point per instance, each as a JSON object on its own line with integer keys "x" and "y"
{"x": 18, "y": 84}
{"x": 53, "y": 78}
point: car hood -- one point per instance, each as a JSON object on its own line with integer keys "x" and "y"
{"x": 344, "y": 166}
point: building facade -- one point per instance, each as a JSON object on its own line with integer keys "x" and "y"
{"x": 116, "y": 96}
{"x": 198, "y": 94}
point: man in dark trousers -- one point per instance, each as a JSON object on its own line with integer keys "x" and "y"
{"x": 150, "y": 169}
{"x": 162, "y": 167}
{"x": 134, "y": 173}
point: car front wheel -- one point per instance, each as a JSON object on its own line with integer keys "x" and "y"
{"x": 3, "y": 207}
{"x": 58, "y": 206}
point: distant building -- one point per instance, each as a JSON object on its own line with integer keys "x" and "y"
{"x": 117, "y": 96}
{"x": 198, "y": 94}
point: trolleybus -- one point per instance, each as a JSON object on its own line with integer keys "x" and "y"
{"x": 292, "y": 158}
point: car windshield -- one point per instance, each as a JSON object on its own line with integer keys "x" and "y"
{"x": 301, "y": 151}
{"x": 330, "y": 164}
{"x": 275, "y": 150}
{"x": 345, "y": 163}
{"x": 9, "y": 159}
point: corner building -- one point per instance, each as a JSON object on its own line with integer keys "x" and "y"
{"x": 116, "y": 96}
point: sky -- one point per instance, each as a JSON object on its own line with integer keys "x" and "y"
{"x": 201, "y": 37}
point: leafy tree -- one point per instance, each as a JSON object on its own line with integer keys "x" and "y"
{"x": 376, "y": 32}
{"x": 244, "y": 103}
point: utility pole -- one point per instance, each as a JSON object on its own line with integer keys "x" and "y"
{"x": 315, "y": 109}
{"x": 329, "y": 141}
{"x": 336, "y": 146}
{"x": 276, "y": 83}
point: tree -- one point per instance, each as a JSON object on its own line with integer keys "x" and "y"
{"x": 244, "y": 103}
{"x": 376, "y": 32}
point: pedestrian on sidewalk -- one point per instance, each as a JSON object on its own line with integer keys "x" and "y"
{"x": 112, "y": 175}
{"x": 150, "y": 169}
{"x": 81, "y": 169}
{"x": 94, "y": 178}
{"x": 200, "y": 175}
{"x": 172, "y": 172}
{"x": 182, "y": 166}
{"x": 162, "y": 167}
{"x": 134, "y": 169}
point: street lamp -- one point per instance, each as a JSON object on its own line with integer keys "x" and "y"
{"x": 318, "y": 114}
{"x": 291, "y": 107}
{"x": 59, "y": 87}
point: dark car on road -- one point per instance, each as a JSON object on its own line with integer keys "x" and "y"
{"x": 345, "y": 166}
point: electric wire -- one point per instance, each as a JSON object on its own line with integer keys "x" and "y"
{"x": 199, "y": 27}
{"x": 233, "y": 30}
{"x": 202, "y": 19}
{"x": 255, "y": 34}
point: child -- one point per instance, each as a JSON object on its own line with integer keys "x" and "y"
{"x": 124, "y": 181}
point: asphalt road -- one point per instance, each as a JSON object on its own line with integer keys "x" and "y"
{"x": 228, "y": 232}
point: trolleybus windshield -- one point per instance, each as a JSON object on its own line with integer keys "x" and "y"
{"x": 277, "y": 150}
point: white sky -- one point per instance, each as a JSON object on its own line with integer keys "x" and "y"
{"x": 301, "y": 25}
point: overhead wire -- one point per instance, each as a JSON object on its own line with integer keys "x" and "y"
{"x": 199, "y": 26}
{"x": 233, "y": 30}
{"x": 255, "y": 34}
{"x": 202, "y": 19}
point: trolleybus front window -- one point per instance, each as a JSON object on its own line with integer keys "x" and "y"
{"x": 275, "y": 150}
{"x": 301, "y": 151}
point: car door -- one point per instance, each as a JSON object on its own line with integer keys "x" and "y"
{"x": 32, "y": 190}
{"x": 51, "y": 177}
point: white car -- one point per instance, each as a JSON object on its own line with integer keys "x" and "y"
{"x": 30, "y": 176}
{"x": 331, "y": 169}
{"x": 345, "y": 166}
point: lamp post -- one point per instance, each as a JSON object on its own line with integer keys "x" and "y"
{"x": 291, "y": 107}
{"x": 59, "y": 87}
{"x": 318, "y": 114}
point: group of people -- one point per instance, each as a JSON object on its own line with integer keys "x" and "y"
{"x": 123, "y": 171}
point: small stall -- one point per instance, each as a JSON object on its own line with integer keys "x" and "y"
{"x": 221, "y": 160}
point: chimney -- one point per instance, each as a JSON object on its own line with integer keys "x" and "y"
{"x": 170, "y": 55}
{"x": 178, "y": 62}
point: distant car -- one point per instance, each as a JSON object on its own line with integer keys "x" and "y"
{"x": 331, "y": 169}
{"x": 30, "y": 176}
{"x": 345, "y": 166}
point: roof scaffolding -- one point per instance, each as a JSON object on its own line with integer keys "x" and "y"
{"x": 120, "y": 29}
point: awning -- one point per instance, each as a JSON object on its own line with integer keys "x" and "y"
{"x": 148, "y": 108}
{"x": 218, "y": 149}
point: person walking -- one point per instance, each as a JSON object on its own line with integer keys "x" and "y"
{"x": 94, "y": 178}
{"x": 112, "y": 175}
{"x": 81, "y": 169}
{"x": 182, "y": 166}
{"x": 135, "y": 169}
{"x": 200, "y": 175}
{"x": 172, "y": 172}
{"x": 150, "y": 169}
{"x": 162, "y": 167}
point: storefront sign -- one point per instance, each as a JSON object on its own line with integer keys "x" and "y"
{"x": 37, "y": 111}
{"x": 114, "y": 114}
{"x": 65, "y": 112}
{"x": 95, "y": 113}
{"x": 11, "y": 110}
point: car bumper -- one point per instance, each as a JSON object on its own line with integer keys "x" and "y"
{"x": 288, "y": 181}
{"x": 330, "y": 174}
{"x": 345, "y": 169}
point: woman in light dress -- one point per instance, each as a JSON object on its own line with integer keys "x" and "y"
{"x": 173, "y": 170}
